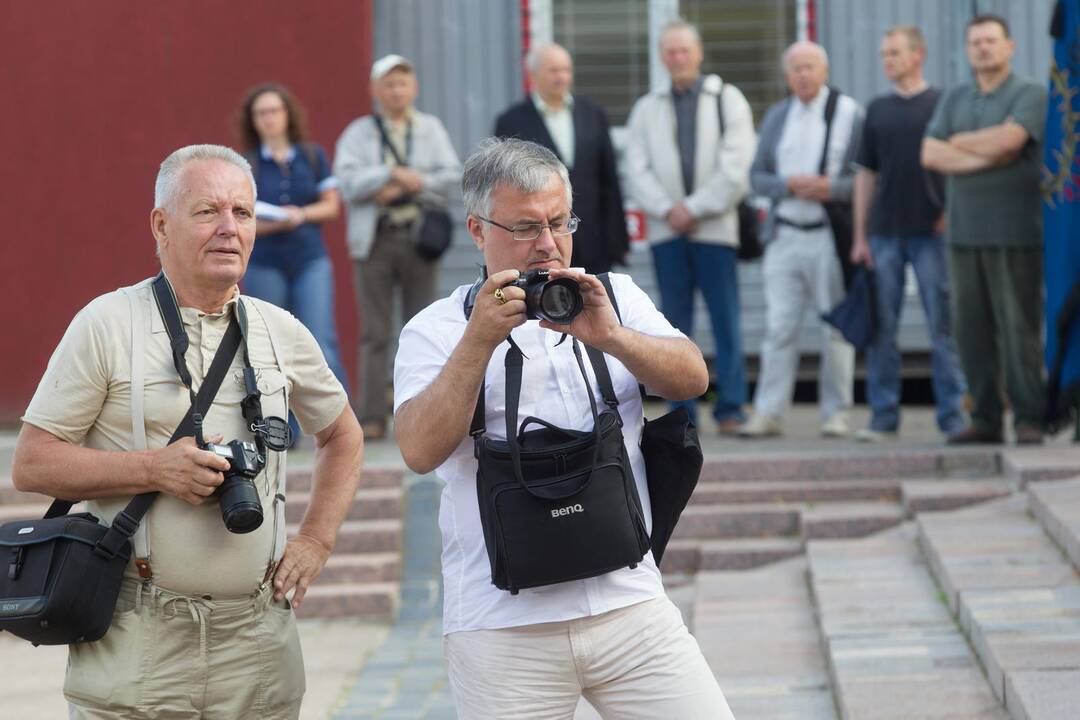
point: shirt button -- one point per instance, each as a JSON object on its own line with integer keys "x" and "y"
{"x": 284, "y": 183}
{"x": 284, "y": 197}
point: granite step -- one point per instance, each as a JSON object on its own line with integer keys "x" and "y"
{"x": 996, "y": 545}
{"x": 728, "y": 521}
{"x": 689, "y": 556}
{"x": 1056, "y": 505}
{"x": 369, "y": 503}
{"x": 768, "y": 491}
{"x": 1016, "y": 596}
{"x": 849, "y": 520}
{"x": 876, "y": 463}
{"x": 950, "y": 494}
{"x": 757, "y": 631}
{"x": 894, "y": 651}
{"x": 1032, "y": 464}
{"x": 354, "y": 568}
{"x": 369, "y": 599}
{"x": 365, "y": 536}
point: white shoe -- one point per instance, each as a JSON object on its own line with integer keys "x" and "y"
{"x": 868, "y": 435}
{"x": 836, "y": 426}
{"x": 759, "y": 426}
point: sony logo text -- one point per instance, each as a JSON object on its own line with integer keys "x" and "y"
{"x": 568, "y": 510}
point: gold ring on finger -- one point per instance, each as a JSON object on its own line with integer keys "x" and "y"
{"x": 499, "y": 297}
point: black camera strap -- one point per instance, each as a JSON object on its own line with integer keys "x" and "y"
{"x": 127, "y": 520}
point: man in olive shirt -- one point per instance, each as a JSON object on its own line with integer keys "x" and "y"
{"x": 985, "y": 137}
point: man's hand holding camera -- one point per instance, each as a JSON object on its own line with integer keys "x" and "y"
{"x": 499, "y": 308}
{"x": 597, "y": 322}
{"x": 185, "y": 471}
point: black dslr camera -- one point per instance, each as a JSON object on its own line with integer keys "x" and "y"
{"x": 241, "y": 508}
{"x": 556, "y": 300}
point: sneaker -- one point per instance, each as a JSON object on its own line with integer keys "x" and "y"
{"x": 976, "y": 435}
{"x": 728, "y": 427}
{"x": 836, "y": 426}
{"x": 869, "y": 435}
{"x": 760, "y": 426}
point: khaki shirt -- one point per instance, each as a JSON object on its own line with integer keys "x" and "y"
{"x": 85, "y": 398}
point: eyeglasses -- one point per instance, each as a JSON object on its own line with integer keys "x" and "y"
{"x": 528, "y": 233}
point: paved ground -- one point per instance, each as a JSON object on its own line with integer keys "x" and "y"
{"x": 362, "y": 670}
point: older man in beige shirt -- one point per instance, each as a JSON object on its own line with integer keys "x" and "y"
{"x": 203, "y": 627}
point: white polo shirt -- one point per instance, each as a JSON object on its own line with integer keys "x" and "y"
{"x": 799, "y": 149}
{"x": 552, "y": 389}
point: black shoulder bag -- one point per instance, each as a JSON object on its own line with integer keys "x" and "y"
{"x": 433, "y": 233}
{"x": 60, "y": 575}
{"x": 838, "y": 211}
{"x": 673, "y": 459}
{"x": 557, "y": 504}
{"x": 750, "y": 247}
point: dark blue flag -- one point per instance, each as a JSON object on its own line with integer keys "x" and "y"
{"x": 1061, "y": 217}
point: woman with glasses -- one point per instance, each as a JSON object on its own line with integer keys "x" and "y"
{"x": 289, "y": 266}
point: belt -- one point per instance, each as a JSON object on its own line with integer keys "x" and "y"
{"x": 806, "y": 227}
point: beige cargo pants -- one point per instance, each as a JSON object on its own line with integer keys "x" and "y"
{"x": 169, "y": 656}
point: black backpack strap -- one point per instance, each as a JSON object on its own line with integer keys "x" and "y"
{"x": 605, "y": 278}
{"x": 720, "y": 108}
{"x": 390, "y": 146}
{"x": 127, "y": 520}
{"x": 830, "y": 113}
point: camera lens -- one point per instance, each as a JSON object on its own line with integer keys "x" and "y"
{"x": 560, "y": 301}
{"x": 240, "y": 506}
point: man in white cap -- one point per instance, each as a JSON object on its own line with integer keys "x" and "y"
{"x": 393, "y": 165}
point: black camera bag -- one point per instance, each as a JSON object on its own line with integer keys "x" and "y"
{"x": 60, "y": 575}
{"x": 673, "y": 459}
{"x": 556, "y": 504}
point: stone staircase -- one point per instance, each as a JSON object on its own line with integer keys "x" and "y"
{"x": 752, "y": 509}
{"x": 967, "y": 614}
{"x": 362, "y": 577}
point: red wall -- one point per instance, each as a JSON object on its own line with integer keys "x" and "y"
{"x": 96, "y": 95}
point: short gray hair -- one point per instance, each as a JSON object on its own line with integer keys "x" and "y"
{"x": 168, "y": 178}
{"x": 521, "y": 164}
{"x": 803, "y": 45}
{"x": 680, "y": 24}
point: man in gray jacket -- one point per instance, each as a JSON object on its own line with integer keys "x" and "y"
{"x": 687, "y": 167}
{"x": 801, "y": 268}
{"x": 392, "y": 165}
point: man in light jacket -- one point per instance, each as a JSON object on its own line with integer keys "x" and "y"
{"x": 388, "y": 178}
{"x": 689, "y": 177}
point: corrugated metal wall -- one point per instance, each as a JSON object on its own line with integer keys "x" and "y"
{"x": 851, "y": 31}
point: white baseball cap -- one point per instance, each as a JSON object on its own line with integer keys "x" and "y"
{"x": 387, "y": 63}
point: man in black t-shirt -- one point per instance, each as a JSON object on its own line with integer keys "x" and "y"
{"x": 898, "y": 220}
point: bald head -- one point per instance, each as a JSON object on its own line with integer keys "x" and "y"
{"x": 551, "y": 71}
{"x": 681, "y": 52}
{"x": 806, "y": 69}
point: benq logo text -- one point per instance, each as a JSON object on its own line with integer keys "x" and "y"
{"x": 568, "y": 510}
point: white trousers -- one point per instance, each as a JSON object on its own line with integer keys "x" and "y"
{"x": 636, "y": 663}
{"x": 801, "y": 271}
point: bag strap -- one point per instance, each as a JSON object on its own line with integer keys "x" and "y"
{"x": 390, "y": 146}
{"x": 127, "y": 520}
{"x": 605, "y": 278}
{"x": 719, "y": 110}
{"x": 830, "y": 113}
{"x": 513, "y": 363}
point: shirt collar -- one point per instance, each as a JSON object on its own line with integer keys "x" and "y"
{"x": 544, "y": 109}
{"x": 694, "y": 89}
{"x": 816, "y": 102}
{"x": 265, "y": 154}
